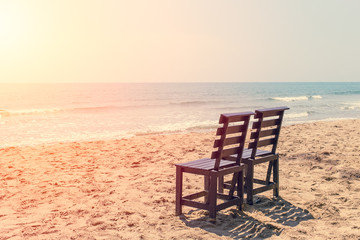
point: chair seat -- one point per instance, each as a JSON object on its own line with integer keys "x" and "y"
{"x": 259, "y": 152}
{"x": 206, "y": 164}
{"x": 247, "y": 154}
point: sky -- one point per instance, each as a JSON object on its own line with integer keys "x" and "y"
{"x": 179, "y": 41}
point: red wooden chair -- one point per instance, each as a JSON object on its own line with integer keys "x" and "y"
{"x": 232, "y": 140}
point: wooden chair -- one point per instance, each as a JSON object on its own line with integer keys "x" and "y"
{"x": 232, "y": 140}
{"x": 264, "y": 134}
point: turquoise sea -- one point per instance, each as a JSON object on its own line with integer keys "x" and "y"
{"x": 45, "y": 113}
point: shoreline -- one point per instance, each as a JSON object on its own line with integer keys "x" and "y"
{"x": 125, "y": 188}
{"x": 166, "y": 133}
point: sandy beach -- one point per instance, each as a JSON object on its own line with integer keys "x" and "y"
{"x": 125, "y": 189}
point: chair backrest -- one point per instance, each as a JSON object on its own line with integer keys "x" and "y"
{"x": 266, "y": 129}
{"x": 232, "y": 136}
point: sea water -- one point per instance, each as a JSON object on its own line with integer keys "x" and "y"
{"x": 46, "y": 113}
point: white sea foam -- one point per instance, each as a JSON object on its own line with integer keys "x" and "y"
{"x": 351, "y": 106}
{"x": 181, "y": 126}
{"x": 290, "y": 99}
{"x": 293, "y": 99}
{"x": 8, "y": 113}
{"x": 316, "y": 97}
{"x": 297, "y": 115}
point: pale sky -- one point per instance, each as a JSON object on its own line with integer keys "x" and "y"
{"x": 179, "y": 41}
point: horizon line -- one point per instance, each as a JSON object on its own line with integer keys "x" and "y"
{"x": 178, "y": 82}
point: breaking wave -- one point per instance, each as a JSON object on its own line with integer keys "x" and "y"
{"x": 293, "y": 99}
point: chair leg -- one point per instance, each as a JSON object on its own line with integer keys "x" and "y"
{"x": 240, "y": 189}
{"x": 233, "y": 184}
{"x": 268, "y": 175}
{"x": 276, "y": 178}
{"x": 249, "y": 182}
{"x": 206, "y": 188}
{"x": 179, "y": 183}
{"x": 212, "y": 195}
{"x": 221, "y": 184}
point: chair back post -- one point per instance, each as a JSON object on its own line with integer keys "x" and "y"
{"x": 242, "y": 143}
{"x": 259, "y": 116}
{"x": 273, "y": 150}
{"x": 223, "y": 119}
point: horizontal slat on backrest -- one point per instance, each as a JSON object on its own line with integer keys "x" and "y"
{"x": 262, "y": 143}
{"x": 231, "y": 129}
{"x": 267, "y": 123}
{"x": 230, "y": 151}
{"x": 229, "y": 141}
{"x": 271, "y": 111}
{"x": 264, "y": 133}
{"x": 235, "y": 117}
{"x": 225, "y": 152}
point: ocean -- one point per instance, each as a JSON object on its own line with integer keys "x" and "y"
{"x": 61, "y": 112}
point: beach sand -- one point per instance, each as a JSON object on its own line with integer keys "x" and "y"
{"x": 125, "y": 189}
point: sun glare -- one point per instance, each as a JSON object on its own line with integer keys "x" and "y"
{"x": 13, "y": 24}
